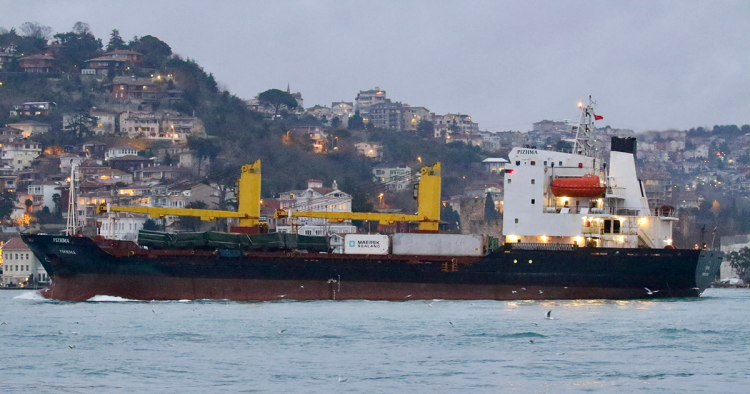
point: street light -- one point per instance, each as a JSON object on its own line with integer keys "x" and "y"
{"x": 381, "y": 200}
{"x": 420, "y": 160}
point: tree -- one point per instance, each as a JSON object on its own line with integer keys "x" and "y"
{"x": 192, "y": 223}
{"x": 356, "y": 122}
{"x": 76, "y": 47}
{"x": 489, "y": 208}
{"x": 28, "y": 203}
{"x": 155, "y": 52}
{"x": 277, "y": 100}
{"x": 150, "y": 225}
{"x": 336, "y": 122}
{"x": 7, "y": 203}
{"x": 115, "y": 41}
{"x": 740, "y": 261}
{"x": 426, "y": 129}
{"x": 80, "y": 125}
{"x": 35, "y": 30}
{"x": 203, "y": 148}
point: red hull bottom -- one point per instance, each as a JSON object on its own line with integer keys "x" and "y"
{"x": 83, "y": 287}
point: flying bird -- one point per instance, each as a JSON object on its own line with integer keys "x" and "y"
{"x": 342, "y": 380}
{"x": 548, "y": 316}
{"x": 650, "y": 292}
{"x": 450, "y": 322}
{"x": 531, "y": 341}
{"x": 72, "y": 346}
{"x": 281, "y": 331}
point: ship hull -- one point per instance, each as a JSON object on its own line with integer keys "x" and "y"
{"x": 81, "y": 269}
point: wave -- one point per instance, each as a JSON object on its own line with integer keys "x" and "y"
{"x": 30, "y": 295}
{"x": 106, "y": 298}
{"x": 528, "y": 334}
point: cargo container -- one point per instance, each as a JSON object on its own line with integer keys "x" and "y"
{"x": 366, "y": 244}
{"x": 439, "y": 244}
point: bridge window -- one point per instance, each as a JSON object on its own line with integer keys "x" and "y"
{"x": 533, "y": 163}
{"x": 518, "y": 162}
{"x": 516, "y": 220}
{"x": 533, "y": 181}
{"x": 533, "y": 201}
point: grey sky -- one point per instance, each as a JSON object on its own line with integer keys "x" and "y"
{"x": 648, "y": 64}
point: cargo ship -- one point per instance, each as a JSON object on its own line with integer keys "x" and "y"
{"x": 574, "y": 227}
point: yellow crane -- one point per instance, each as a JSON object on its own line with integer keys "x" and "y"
{"x": 248, "y": 210}
{"x": 428, "y": 211}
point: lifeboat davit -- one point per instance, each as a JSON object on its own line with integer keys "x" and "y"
{"x": 585, "y": 186}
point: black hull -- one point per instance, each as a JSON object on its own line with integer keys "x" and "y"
{"x": 81, "y": 269}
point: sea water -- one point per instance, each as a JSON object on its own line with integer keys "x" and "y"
{"x": 113, "y": 345}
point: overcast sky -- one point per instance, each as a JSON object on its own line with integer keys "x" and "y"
{"x": 649, "y": 65}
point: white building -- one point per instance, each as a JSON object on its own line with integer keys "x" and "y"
{"x": 366, "y": 99}
{"x": 394, "y": 177}
{"x": 494, "y": 164}
{"x": 120, "y": 151}
{"x": 123, "y": 226}
{"x": 454, "y": 123}
{"x": 42, "y": 195}
{"x": 343, "y": 110}
{"x": 31, "y": 127}
{"x": 19, "y": 153}
{"x": 369, "y": 150}
{"x": 728, "y": 245}
{"x": 315, "y": 198}
{"x": 20, "y": 265}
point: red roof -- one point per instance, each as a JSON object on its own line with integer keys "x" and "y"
{"x": 15, "y": 243}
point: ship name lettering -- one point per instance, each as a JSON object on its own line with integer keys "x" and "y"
{"x": 527, "y": 151}
{"x": 63, "y": 251}
{"x": 61, "y": 240}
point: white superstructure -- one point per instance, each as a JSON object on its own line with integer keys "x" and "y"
{"x": 576, "y": 198}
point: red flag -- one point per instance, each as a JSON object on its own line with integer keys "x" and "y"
{"x": 597, "y": 117}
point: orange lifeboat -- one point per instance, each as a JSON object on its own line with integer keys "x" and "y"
{"x": 585, "y": 186}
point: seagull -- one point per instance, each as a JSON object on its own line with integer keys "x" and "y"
{"x": 560, "y": 354}
{"x": 535, "y": 324}
{"x": 523, "y": 288}
{"x": 283, "y": 295}
{"x": 649, "y": 292}
{"x": 302, "y": 287}
{"x": 549, "y": 315}
{"x": 342, "y": 380}
{"x": 153, "y": 311}
{"x": 531, "y": 341}
{"x": 3, "y": 323}
{"x": 450, "y": 323}
{"x": 540, "y": 292}
{"x": 72, "y": 346}
{"x": 514, "y": 292}
{"x": 408, "y": 296}
{"x": 281, "y": 331}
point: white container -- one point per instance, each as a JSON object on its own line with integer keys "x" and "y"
{"x": 365, "y": 244}
{"x": 438, "y": 244}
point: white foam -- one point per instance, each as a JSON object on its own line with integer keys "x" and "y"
{"x": 106, "y": 298}
{"x": 30, "y": 295}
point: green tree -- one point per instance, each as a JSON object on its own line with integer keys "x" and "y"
{"x": 155, "y": 52}
{"x": 80, "y": 125}
{"x": 489, "y": 208}
{"x": 277, "y": 100}
{"x": 76, "y": 47}
{"x": 336, "y": 122}
{"x": 356, "y": 122}
{"x": 740, "y": 261}
{"x": 192, "y": 223}
{"x": 150, "y": 225}
{"x": 203, "y": 148}
{"x": 426, "y": 129}
{"x": 7, "y": 203}
{"x": 115, "y": 41}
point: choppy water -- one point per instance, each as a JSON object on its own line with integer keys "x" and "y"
{"x": 110, "y": 345}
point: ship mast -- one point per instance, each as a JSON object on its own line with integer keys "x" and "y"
{"x": 72, "y": 223}
{"x": 584, "y": 144}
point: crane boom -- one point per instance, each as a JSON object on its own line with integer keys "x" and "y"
{"x": 248, "y": 205}
{"x": 428, "y": 198}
